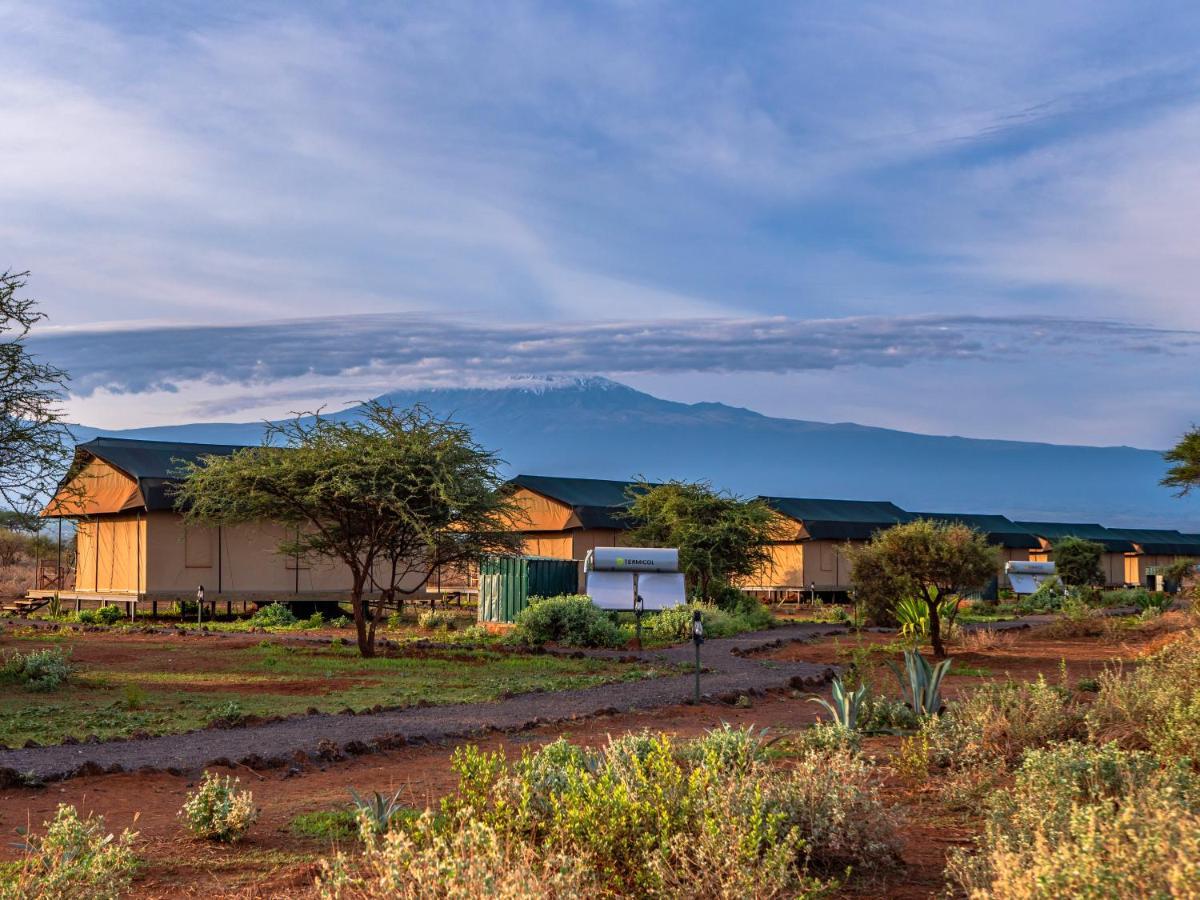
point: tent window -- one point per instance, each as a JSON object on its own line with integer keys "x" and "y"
{"x": 197, "y": 548}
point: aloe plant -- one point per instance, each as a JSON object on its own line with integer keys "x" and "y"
{"x": 379, "y": 809}
{"x": 921, "y": 683}
{"x": 846, "y": 704}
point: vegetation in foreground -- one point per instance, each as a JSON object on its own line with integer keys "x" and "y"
{"x": 641, "y": 817}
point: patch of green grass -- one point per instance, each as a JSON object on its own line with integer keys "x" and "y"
{"x": 326, "y": 824}
{"x": 163, "y": 689}
{"x": 969, "y": 671}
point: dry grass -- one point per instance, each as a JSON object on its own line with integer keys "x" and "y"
{"x": 983, "y": 640}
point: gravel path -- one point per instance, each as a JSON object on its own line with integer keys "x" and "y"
{"x": 728, "y": 672}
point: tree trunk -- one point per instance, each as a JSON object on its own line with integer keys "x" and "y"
{"x": 366, "y": 638}
{"x": 935, "y": 628}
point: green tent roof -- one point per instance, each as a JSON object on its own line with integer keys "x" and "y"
{"x": 1088, "y": 531}
{"x": 825, "y": 519}
{"x": 1161, "y": 541}
{"x": 597, "y": 502}
{"x": 999, "y": 529}
{"x": 154, "y": 465}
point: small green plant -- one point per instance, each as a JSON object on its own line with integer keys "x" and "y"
{"x": 229, "y": 713}
{"x": 921, "y": 683}
{"x": 109, "y": 615}
{"x": 38, "y": 670}
{"x": 328, "y": 824}
{"x": 86, "y": 617}
{"x": 436, "y": 620}
{"x": 1047, "y": 598}
{"x": 218, "y": 810}
{"x": 846, "y": 704}
{"x": 341, "y": 622}
{"x": 133, "y": 696}
{"x": 76, "y": 857}
{"x": 316, "y": 620}
{"x": 377, "y": 810}
{"x": 273, "y": 615}
{"x": 1153, "y": 604}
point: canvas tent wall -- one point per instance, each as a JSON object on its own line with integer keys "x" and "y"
{"x": 564, "y": 518}
{"x": 817, "y": 531}
{"x": 132, "y": 542}
{"x": 1112, "y": 560}
{"x": 1155, "y": 548}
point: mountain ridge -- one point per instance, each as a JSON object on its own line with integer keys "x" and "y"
{"x": 595, "y": 427}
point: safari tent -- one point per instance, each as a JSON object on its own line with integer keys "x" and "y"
{"x": 809, "y": 554}
{"x": 1156, "y": 547}
{"x": 1112, "y": 560}
{"x": 133, "y": 545}
{"x": 564, "y": 518}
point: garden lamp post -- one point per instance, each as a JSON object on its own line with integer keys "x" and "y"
{"x": 812, "y": 593}
{"x": 697, "y": 639}
{"x": 200, "y": 605}
{"x": 638, "y": 605}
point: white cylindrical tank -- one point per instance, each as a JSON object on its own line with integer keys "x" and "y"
{"x": 635, "y": 559}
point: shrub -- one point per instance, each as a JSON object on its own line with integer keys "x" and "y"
{"x": 436, "y": 620}
{"x": 569, "y": 620}
{"x": 1077, "y": 562}
{"x": 228, "y": 713}
{"x": 644, "y": 813}
{"x": 86, "y": 617}
{"x": 1087, "y": 821}
{"x": 467, "y": 859}
{"x": 273, "y": 615}
{"x": 110, "y": 615}
{"x": 74, "y": 858}
{"x": 675, "y": 624}
{"x": 133, "y": 696}
{"x": 316, "y": 620}
{"x": 1154, "y": 707}
{"x": 826, "y": 737}
{"x": 882, "y": 714}
{"x": 329, "y": 824}
{"x": 341, "y": 622}
{"x": 1047, "y": 598}
{"x": 218, "y": 810}
{"x": 995, "y": 724}
{"x": 38, "y": 670}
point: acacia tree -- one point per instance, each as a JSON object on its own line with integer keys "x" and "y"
{"x": 720, "y": 537}
{"x": 1184, "y": 473}
{"x": 34, "y": 450}
{"x": 393, "y": 495}
{"x": 930, "y": 560}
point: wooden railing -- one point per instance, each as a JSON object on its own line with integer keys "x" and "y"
{"x": 51, "y": 578}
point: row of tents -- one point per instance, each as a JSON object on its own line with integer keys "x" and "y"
{"x": 132, "y": 545}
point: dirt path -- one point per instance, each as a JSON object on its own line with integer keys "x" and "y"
{"x": 300, "y": 739}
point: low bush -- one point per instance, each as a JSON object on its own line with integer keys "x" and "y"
{"x": 340, "y": 622}
{"x": 316, "y": 620}
{"x": 76, "y": 857}
{"x": 273, "y": 615}
{"x": 218, "y": 810}
{"x": 570, "y": 620}
{"x": 1154, "y": 707}
{"x": 675, "y": 624}
{"x": 640, "y": 817}
{"x": 992, "y": 727}
{"x": 1047, "y": 598}
{"x": 1087, "y": 821}
{"x": 105, "y": 615}
{"x": 436, "y": 620}
{"x": 327, "y": 824}
{"x": 38, "y": 670}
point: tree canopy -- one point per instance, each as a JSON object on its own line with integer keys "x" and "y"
{"x": 394, "y": 495}
{"x": 932, "y": 561}
{"x": 720, "y": 537}
{"x": 1077, "y": 562}
{"x": 1184, "y": 473}
{"x": 34, "y": 442}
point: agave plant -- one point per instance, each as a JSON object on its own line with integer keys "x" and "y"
{"x": 846, "y": 704}
{"x": 913, "y": 616}
{"x": 379, "y": 809}
{"x": 921, "y": 683}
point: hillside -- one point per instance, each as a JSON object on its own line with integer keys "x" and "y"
{"x": 598, "y": 428}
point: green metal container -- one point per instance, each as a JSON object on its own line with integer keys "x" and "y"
{"x": 507, "y": 582}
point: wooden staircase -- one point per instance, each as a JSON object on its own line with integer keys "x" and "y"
{"x": 26, "y": 606}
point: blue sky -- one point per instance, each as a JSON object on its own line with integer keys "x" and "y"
{"x": 958, "y": 218}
